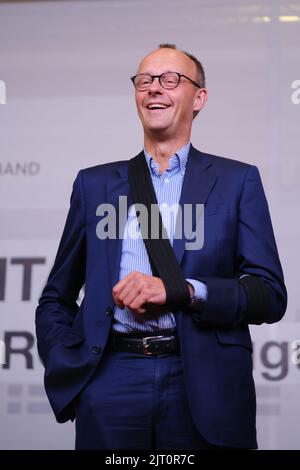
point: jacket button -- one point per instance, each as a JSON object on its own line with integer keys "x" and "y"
{"x": 109, "y": 311}
{"x": 96, "y": 349}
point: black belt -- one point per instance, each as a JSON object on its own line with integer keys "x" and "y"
{"x": 147, "y": 345}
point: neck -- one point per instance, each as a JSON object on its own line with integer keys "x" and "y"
{"x": 162, "y": 151}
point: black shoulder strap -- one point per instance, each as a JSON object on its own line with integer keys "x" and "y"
{"x": 161, "y": 255}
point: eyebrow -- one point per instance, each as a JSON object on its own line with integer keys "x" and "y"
{"x": 166, "y": 71}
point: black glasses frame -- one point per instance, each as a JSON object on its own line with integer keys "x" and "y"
{"x": 160, "y": 82}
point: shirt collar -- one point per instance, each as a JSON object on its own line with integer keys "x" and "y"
{"x": 178, "y": 160}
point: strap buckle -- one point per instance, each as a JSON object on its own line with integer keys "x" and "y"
{"x": 146, "y": 344}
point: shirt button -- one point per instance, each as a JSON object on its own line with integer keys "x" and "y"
{"x": 109, "y": 311}
{"x": 166, "y": 180}
{"x": 96, "y": 349}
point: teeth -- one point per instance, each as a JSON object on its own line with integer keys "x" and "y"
{"x": 157, "y": 105}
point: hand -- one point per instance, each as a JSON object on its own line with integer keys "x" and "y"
{"x": 191, "y": 290}
{"x": 137, "y": 290}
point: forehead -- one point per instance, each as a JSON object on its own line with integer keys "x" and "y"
{"x": 163, "y": 60}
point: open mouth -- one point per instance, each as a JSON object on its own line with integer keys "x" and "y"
{"x": 157, "y": 106}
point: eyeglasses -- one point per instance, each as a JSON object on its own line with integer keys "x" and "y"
{"x": 168, "y": 80}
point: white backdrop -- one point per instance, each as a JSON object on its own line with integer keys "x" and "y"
{"x": 69, "y": 104}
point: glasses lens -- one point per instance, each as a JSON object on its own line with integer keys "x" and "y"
{"x": 142, "y": 81}
{"x": 169, "y": 80}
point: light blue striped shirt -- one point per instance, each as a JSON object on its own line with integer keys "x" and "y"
{"x": 134, "y": 256}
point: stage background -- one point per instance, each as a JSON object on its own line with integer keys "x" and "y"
{"x": 69, "y": 104}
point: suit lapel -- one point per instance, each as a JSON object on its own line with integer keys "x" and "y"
{"x": 197, "y": 185}
{"x": 117, "y": 186}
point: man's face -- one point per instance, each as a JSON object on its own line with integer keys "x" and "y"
{"x": 175, "y": 118}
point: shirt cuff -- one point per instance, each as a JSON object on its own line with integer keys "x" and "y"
{"x": 200, "y": 289}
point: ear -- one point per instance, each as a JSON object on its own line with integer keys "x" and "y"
{"x": 200, "y": 99}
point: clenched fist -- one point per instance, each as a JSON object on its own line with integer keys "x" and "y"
{"x": 137, "y": 290}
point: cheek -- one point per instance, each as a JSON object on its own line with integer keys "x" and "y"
{"x": 138, "y": 101}
{"x": 187, "y": 106}
{"x": 182, "y": 110}
{"x": 139, "y": 108}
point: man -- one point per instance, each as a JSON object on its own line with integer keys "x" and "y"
{"x": 137, "y": 371}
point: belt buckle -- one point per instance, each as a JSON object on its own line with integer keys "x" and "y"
{"x": 146, "y": 345}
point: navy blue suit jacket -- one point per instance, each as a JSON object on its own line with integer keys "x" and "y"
{"x": 215, "y": 343}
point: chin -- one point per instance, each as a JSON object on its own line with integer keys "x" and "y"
{"x": 157, "y": 129}
{"x": 157, "y": 126}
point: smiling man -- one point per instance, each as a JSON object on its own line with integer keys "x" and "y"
{"x": 158, "y": 355}
{"x": 167, "y": 103}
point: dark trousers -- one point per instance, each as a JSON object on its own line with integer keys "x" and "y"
{"x": 136, "y": 402}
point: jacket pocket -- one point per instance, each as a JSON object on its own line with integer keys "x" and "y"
{"x": 235, "y": 338}
{"x": 216, "y": 209}
{"x": 72, "y": 339}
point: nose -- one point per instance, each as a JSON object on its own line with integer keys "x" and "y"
{"x": 155, "y": 86}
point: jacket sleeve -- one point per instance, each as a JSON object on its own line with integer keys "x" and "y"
{"x": 58, "y": 306}
{"x": 257, "y": 294}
